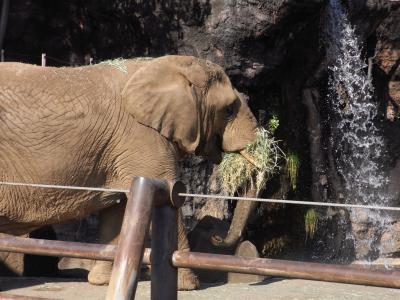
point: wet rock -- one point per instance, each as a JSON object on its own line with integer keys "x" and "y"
{"x": 390, "y": 241}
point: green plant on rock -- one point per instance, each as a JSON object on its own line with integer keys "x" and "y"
{"x": 292, "y": 168}
{"x": 273, "y": 123}
{"x": 310, "y": 223}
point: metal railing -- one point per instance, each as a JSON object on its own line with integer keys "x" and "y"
{"x": 157, "y": 201}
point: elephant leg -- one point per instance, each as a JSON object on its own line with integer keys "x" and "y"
{"x": 110, "y": 221}
{"x": 110, "y": 226}
{"x": 187, "y": 280}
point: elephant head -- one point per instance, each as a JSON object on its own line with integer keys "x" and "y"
{"x": 192, "y": 103}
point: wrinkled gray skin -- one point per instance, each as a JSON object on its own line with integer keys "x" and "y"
{"x": 100, "y": 126}
{"x": 241, "y": 214}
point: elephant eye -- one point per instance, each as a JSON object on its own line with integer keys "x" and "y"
{"x": 230, "y": 109}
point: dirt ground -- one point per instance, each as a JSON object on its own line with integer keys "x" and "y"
{"x": 272, "y": 289}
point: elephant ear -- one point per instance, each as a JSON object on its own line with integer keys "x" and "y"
{"x": 161, "y": 95}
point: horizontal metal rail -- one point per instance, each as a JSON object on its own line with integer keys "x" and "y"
{"x": 222, "y": 197}
{"x": 286, "y": 269}
{"x": 258, "y": 266}
{"x": 61, "y": 248}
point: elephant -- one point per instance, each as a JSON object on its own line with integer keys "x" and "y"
{"x": 102, "y": 124}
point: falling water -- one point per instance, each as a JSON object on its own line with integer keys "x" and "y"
{"x": 355, "y": 139}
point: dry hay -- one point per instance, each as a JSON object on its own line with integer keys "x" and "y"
{"x": 120, "y": 63}
{"x": 117, "y": 63}
{"x": 235, "y": 172}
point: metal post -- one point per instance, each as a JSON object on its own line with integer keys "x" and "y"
{"x": 144, "y": 194}
{"x": 125, "y": 273}
{"x": 43, "y": 59}
{"x": 5, "y": 9}
{"x": 164, "y": 241}
{"x": 2, "y": 55}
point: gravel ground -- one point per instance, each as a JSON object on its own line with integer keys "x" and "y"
{"x": 273, "y": 289}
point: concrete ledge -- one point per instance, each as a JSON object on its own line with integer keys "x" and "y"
{"x": 276, "y": 289}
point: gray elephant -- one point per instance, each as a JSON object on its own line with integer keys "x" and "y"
{"x": 101, "y": 125}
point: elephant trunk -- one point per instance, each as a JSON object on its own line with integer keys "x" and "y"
{"x": 241, "y": 214}
{"x": 248, "y": 157}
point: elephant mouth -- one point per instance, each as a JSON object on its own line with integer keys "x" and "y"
{"x": 212, "y": 150}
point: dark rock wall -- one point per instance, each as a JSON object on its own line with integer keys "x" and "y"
{"x": 272, "y": 51}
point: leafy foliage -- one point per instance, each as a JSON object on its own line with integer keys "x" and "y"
{"x": 292, "y": 168}
{"x": 310, "y": 223}
{"x": 273, "y": 124}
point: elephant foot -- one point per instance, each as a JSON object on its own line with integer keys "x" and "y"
{"x": 187, "y": 281}
{"x": 100, "y": 273}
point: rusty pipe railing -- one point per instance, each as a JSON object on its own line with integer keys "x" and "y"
{"x": 144, "y": 194}
{"x": 272, "y": 267}
{"x": 287, "y": 269}
{"x": 17, "y": 244}
{"x": 34, "y": 246}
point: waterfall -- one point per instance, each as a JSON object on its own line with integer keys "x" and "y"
{"x": 357, "y": 144}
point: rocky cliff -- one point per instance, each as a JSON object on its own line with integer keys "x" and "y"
{"x": 274, "y": 53}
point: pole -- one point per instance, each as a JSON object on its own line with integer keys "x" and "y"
{"x": 3, "y": 21}
{"x": 56, "y": 248}
{"x": 2, "y": 55}
{"x": 43, "y": 59}
{"x": 164, "y": 241}
{"x": 17, "y": 244}
{"x": 285, "y": 268}
{"x": 144, "y": 194}
{"x": 136, "y": 222}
